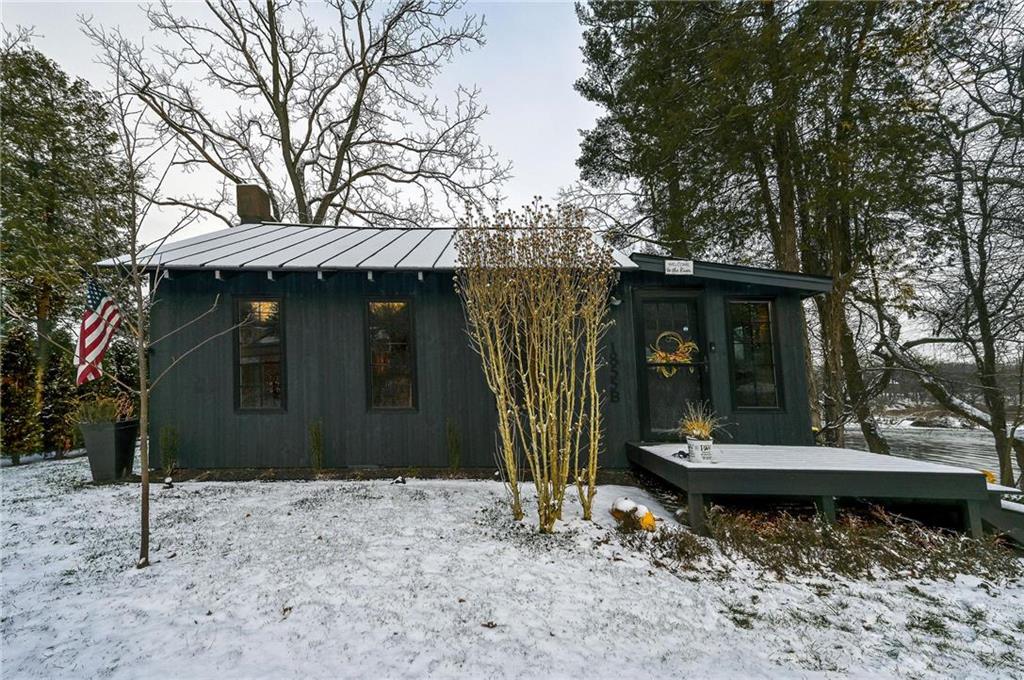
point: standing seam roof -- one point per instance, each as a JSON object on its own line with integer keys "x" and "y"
{"x": 277, "y": 246}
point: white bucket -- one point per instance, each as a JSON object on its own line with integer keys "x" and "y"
{"x": 700, "y": 450}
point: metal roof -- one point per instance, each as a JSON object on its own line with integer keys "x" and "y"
{"x": 806, "y": 284}
{"x": 273, "y": 246}
{"x": 277, "y": 246}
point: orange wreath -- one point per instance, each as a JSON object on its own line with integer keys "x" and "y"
{"x": 681, "y": 352}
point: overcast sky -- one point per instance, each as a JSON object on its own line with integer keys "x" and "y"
{"x": 525, "y": 71}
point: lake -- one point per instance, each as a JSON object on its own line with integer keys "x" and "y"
{"x": 965, "y": 448}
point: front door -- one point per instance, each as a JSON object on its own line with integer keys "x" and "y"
{"x": 672, "y": 362}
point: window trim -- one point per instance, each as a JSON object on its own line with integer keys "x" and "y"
{"x": 368, "y": 370}
{"x": 236, "y": 300}
{"x": 780, "y": 393}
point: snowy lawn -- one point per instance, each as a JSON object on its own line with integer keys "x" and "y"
{"x": 432, "y": 578}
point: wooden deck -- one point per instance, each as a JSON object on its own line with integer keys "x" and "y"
{"x": 819, "y": 473}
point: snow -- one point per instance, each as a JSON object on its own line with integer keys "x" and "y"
{"x": 432, "y": 578}
{"x": 40, "y": 457}
{"x": 624, "y": 505}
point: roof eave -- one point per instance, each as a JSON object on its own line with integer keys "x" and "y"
{"x": 807, "y": 285}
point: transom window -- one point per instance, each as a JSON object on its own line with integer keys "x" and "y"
{"x": 753, "y": 354}
{"x": 260, "y": 355}
{"x": 391, "y": 354}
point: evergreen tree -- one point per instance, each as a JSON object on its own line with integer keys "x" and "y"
{"x": 59, "y": 189}
{"x": 60, "y": 398}
{"x": 18, "y": 418}
{"x": 780, "y": 133}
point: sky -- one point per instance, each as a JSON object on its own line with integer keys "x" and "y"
{"x": 525, "y": 71}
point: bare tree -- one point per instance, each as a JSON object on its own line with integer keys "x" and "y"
{"x": 973, "y": 291}
{"x": 338, "y": 124}
{"x": 132, "y": 274}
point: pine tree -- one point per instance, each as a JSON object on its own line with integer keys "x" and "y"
{"x": 784, "y": 134}
{"x": 60, "y": 398}
{"x": 60, "y": 186}
{"x": 20, "y": 420}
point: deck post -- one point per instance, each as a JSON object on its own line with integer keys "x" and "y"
{"x": 695, "y": 512}
{"x": 972, "y": 518}
{"x": 826, "y": 508}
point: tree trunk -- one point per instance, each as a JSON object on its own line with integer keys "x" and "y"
{"x": 44, "y": 328}
{"x": 1005, "y": 453}
{"x": 792, "y": 208}
{"x": 857, "y": 392}
{"x": 975, "y": 250}
{"x": 143, "y": 362}
{"x": 1018, "y": 448}
{"x": 843, "y": 370}
{"x": 995, "y": 399}
{"x": 829, "y": 308}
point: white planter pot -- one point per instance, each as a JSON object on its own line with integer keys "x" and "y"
{"x": 701, "y": 450}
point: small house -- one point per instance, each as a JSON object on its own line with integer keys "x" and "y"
{"x": 358, "y": 332}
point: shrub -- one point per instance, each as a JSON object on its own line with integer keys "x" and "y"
{"x": 20, "y": 423}
{"x": 669, "y": 547}
{"x": 316, "y": 446}
{"x": 168, "y": 449}
{"x": 879, "y": 544}
{"x": 628, "y": 524}
{"x": 535, "y": 287}
{"x": 97, "y": 410}
{"x": 60, "y": 400}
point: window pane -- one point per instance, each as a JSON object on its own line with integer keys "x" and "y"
{"x": 260, "y": 355}
{"x": 753, "y": 355}
{"x": 670, "y": 332}
{"x": 765, "y": 385}
{"x": 391, "y": 355}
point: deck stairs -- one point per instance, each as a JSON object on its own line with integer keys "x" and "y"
{"x": 1003, "y": 516}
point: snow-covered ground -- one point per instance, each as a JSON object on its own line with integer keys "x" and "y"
{"x": 40, "y": 457}
{"x": 432, "y": 579}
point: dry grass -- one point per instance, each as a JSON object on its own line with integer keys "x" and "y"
{"x": 877, "y": 545}
{"x": 673, "y": 548}
{"x": 873, "y": 545}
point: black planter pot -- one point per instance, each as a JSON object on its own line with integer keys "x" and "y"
{"x": 111, "y": 448}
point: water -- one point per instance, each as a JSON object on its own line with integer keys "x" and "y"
{"x": 965, "y": 448}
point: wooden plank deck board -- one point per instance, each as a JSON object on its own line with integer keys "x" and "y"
{"x": 819, "y": 473}
{"x": 768, "y": 457}
{"x": 811, "y": 472}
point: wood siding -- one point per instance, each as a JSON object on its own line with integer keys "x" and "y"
{"x": 325, "y": 327}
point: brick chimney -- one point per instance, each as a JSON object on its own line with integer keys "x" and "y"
{"x": 253, "y": 204}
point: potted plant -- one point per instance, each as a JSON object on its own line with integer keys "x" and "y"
{"x": 109, "y": 432}
{"x": 698, "y": 425}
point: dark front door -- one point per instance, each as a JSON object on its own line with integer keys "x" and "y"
{"x": 672, "y": 362}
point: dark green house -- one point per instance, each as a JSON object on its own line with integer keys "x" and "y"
{"x": 359, "y": 330}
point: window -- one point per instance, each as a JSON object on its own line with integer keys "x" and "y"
{"x": 753, "y": 354}
{"x": 260, "y": 355}
{"x": 392, "y": 364}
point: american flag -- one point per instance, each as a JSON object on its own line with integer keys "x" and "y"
{"x": 102, "y": 317}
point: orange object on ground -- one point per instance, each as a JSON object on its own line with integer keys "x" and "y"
{"x": 623, "y": 508}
